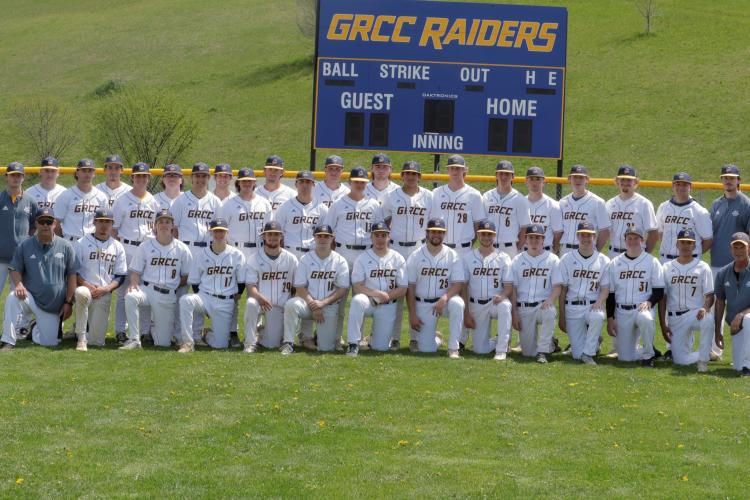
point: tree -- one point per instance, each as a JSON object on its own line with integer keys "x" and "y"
{"x": 647, "y": 10}
{"x": 48, "y": 127}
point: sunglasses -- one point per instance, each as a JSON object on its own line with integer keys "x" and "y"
{"x": 45, "y": 222}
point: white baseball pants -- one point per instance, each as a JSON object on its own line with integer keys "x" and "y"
{"x": 160, "y": 309}
{"x": 121, "y": 324}
{"x": 383, "y": 317}
{"x": 454, "y": 310}
{"x": 741, "y": 346}
{"x": 196, "y": 306}
{"x": 631, "y": 323}
{"x": 482, "y": 342}
{"x": 405, "y": 252}
{"x": 296, "y": 309}
{"x": 273, "y": 333}
{"x": 535, "y": 340}
{"x": 682, "y": 328}
{"x": 47, "y": 324}
{"x": 584, "y": 329}
{"x": 92, "y": 315}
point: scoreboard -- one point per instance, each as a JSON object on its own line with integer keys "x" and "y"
{"x": 440, "y": 77}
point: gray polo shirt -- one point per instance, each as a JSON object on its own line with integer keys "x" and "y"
{"x": 727, "y": 217}
{"x": 16, "y": 220}
{"x": 44, "y": 270}
{"x": 733, "y": 291}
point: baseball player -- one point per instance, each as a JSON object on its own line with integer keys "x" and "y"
{"x": 300, "y": 215}
{"x": 543, "y": 210}
{"x": 436, "y": 277}
{"x": 487, "y": 293}
{"x": 103, "y": 270}
{"x": 217, "y": 269}
{"x": 17, "y": 215}
{"x": 629, "y": 208}
{"x": 269, "y": 277}
{"x": 113, "y": 187}
{"x": 171, "y": 184}
{"x": 732, "y": 288}
{"x": 730, "y": 213}
{"x": 680, "y": 212}
{"x": 330, "y": 188}
{"x": 508, "y": 210}
{"x": 536, "y": 287}
{"x": 459, "y": 205}
{"x": 74, "y": 208}
{"x": 46, "y": 192}
{"x": 688, "y": 298}
{"x": 43, "y": 275}
{"x": 405, "y": 210}
{"x": 223, "y": 181}
{"x": 582, "y": 206}
{"x": 636, "y": 285}
{"x": 193, "y": 210}
{"x": 321, "y": 282}
{"x": 158, "y": 279}
{"x": 273, "y": 190}
{"x": 378, "y": 280}
{"x": 584, "y": 276}
{"x": 381, "y": 183}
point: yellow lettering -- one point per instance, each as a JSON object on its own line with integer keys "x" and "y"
{"x": 361, "y": 26}
{"x": 482, "y": 38}
{"x": 456, "y": 33}
{"x": 338, "y": 29}
{"x": 434, "y": 27}
{"x": 397, "y": 37}
{"x": 376, "y": 36}
{"x": 526, "y": 33}
{"x": 547, "y": 37}
{"x": 507, "y": 32}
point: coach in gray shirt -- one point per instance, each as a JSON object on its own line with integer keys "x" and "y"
{"x": 730, "y": 213}
{"x": 17, "y": 214}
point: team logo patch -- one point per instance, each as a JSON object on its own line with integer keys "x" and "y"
{"x": 33, "y": 256}
{"x": 734, "y": 213}
{"x": 60, "y": 255}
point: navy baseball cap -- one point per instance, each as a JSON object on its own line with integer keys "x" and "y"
{"x": 682, "y": 177}
{"x": 359, "y": 174}
{"x": 634, "y": 230}
{"x": 335, "y": 160}
{"x": 164, "y": 214}
{"x": 380, "y": 227}
{"x": 586, "y": 227}
{"x": 173, "y": 168}
{"x": 50, "y": 162}
{"x": 323, "y": 229}
{"x": 85, "y": 163}
{"x": 579, "y": 170}
{"x": 504, "y": 166}
{"x": 730, "y": 171}
{"x": 15, "y": 167}
{"x": 113, "y": 160}
{"x": 537, "y": 229}
{"x": 223, "y": 168}
{"x": 738, "y": 237}
{"x": 103, "y": 214}
{"x": 219, "y": 224}
{"x": 412, "y": 166}
{"x": 686, "y": 234}
{"x": 535, "y": 172}
{"x": 305, "y": 175}
{"x": 456, "y": 161}
{"x": 245, "y": 174}
{"x": 140, "y": 168}
{"x": 626, "y": 172}
{"x": 381, "y": 158}
{"x": 45, "y": 213}
{"x": 274, "y": 161}
{"x": 201, "y": 168}
{"x": 437, "y": 224}
{"x": 486, "y": 227}
{"x": 272, "y": 227}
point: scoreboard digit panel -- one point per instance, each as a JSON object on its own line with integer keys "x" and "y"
{"x": 440, "y": 77}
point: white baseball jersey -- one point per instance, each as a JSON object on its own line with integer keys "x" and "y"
{"x": 589, "y": 208}
{"x": 277, "y": 197}
{"x": 460, "y": 209}
{"x": 636, "y": 211}
{"x": 534, "y": 277}
{"x": 217, "y": 274}
{"x": 408, "y": 214}
{"x": 432, "y": 275}
{"x": 43, "y": 197}
{"x": 245, "y": 218}
{"x": 509, "y": 212}
{"x": 379, "y": 194}
{"x": 100, "y": 260}
{"x": 380, "y": 273}
{"x": 135, "y": 217}
{"x": 273, "y": 277}
{"x": 193, "y": 215}
{"x": 672, "y": 217}
{"x": 327, "y": 196}
{"x": 351, "y": 220}
{"x": 76, "y": 210}
{"x": 322, "y": 277}
{"x": 162, "y": 265}
{"x": 113, "y": 194}
{"x": 485, "y": 275}
{"x": 546, "y": 211}
{"x": 298, "y": 220}
{"x": 633, "y": 280}
{"x": 164, "y": 201}
{"x": 687, "y": 284}
{"x": 583, "y": 276}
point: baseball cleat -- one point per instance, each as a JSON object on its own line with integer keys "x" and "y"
{"x": 541, "y": 358}
{"x": 587, "y": 360}
{"x": 186, "y": 347}
{"x": 612, "y": 354}
{"x": 702, "y": 367}
{"x": 516, "y": 348}
{"x": 500, "y": 356}
{"x": 461, "y": 347}
{"x": 234, "y": 340}
{"x": 453, "y": 354}
{"x": 130, "y": 345}
{"x": 556, "y": 344}
{"x": 7, "y": 347}
{"x": 286, "y": 348}
{"x": 147, "y": 339}
{"x": 668, "y": 355}
{"x": 567, "y": 350}
{"x": 200, "y": 342}
{"x": 364, "y": 344}
{"x": 745, "y": 372}
{"x": 23, "y": 333}
{"x": 413, "y": 346}
{"x": 81, "y": 346}
{"x": 309, "y": 344}
{"x": 648, "y": 363}
{"x": 250, "y": 348}
{"x": 658, "y": 354}
{"x": 352, "y": 350}
{"x": 714, "y": 356}
{"x": 395, "y": 345}
{"x": 121, "y": 337}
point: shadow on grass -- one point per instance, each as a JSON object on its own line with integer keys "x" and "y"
{"x": 274, "y": 72}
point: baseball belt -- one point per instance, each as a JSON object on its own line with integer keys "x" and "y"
{"x": 71, "y": 238}
{"x": 376, "y": 303}
{"x": 627, "y": 307}
{"x": 678, "y": 313}
{"x": 618, "y": 250}
{"x": 406, "y": 243}
{"x": 548, "y": 248}
{"x": 671, "y": 257}
{"x": 571, "y": 245}
{"x": 352, "y": 247}
{"x": 429, "y": 301}
{"x": 245, "y": 244}
{"x": 579, "y": 302}
{"x": 196, "y": 243}
{"x": 527, "y": 304}
{"x": 131, "y": 242}
{"x": 222, "y": 297}
{"x": 506, "y": 245}
{"x": 462, "y": 245}
{"x": 299, "y": 249}
{"x": 165, "y": 291}
{"x": 479, "y": 301}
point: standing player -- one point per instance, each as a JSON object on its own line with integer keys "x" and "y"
{"x": 217, "y": 269}
{"x": 269, "y": 277}
{"x": 74, "y": 208}
{"x": 223, "y": 180}
{"x": 730, "y": 213}
{"x": 682, "y": 212}
{"x": 688, "y": 298}
{"x": 158, "y": 277}
{"x": 46, "y": 192}
{"x": 171, "y": 183}
{"x": 113, "y": 187}
{"x": 321, "y": 282}
{"x": 543, "y": 210}
{"x": 300, "y": 215}
{"x": 584, "y": 277}
{"x": 378, "y": 280}
{"x": 330, "y": 188}
{"x": 103, "y": 270}
{"x": 459, "y": 205}
{"x": 436, "y": 277}
{"x": 732, "y": 287}
{"x": 636, "y": 285}
{"x": 508, "y": 210}
{"x": 381, "y": 183}
{"x": 17, "y": 214}
{"x": 193, "y": 210}
{"x": 536, "y": 287}
{"x": 582, "y": 206}
{"x": 629, "y": 208}
{"x": 273, "y": 190}
{"x": 487, "y": 293}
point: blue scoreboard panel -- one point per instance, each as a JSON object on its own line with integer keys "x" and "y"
{"x": 440, "y": 77}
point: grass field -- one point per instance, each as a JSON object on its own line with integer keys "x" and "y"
{"x": 152, "y": 423}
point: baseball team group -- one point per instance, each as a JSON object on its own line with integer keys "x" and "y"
{"x": 172, "y": 259}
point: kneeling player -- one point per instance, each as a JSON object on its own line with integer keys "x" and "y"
{"x": 689, "y": 295}
{"x": 378, "y": 280}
